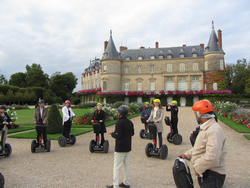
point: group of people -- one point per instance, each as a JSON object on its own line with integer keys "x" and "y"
{"x": 208, "y": 152}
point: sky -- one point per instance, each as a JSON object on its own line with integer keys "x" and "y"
{"x": 63, "y": 36}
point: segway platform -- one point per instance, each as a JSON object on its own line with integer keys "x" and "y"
{"x": 176, "y": 139}
{"x": 39, "y": 146}
{"x": 143, "y": 133}
{"x": 151, "y": 149}
{"x": 63, "y": 141}
{"x": 95, "y": 145}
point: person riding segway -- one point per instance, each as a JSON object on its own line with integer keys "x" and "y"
{"x": 98, "y": 120}
{"x": 155, "y": 126}
{"x": 144, "y": 117}
{"x": 40, "y": 118}
{"x": 5, "y": 122}
{"x": 209, "y": 152}
{"x": 66, "y": 137}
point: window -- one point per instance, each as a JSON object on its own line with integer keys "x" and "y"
{"x": 151, "y": 68}
{"x": 86, "y": 86}
{"x": 100, "y": 83}
{"x": 139, "y": 88}
{"x": 206, "y": 65}
{"x": 140, "y": 58}
{"x": 181, "y": 55}
{"x": 96, "y": 74}
{"x": 152, "y": 86}
{"x": 126, "y": 70}
{"x": 139, "y": 69}
{"x": 215, "y": 86}
{"x": 221, "y": 64}
{"x": 126, "y": 86}
{"x": 104, "y": 68}
{"x": 160, "y": 56}
{"x": 169, "y": 84}
{"x": 104, "y": 85}
{"x": 169, "y": 67}
{"x": 182, "y": 67}
{"x": 195, "y": 66}
{"x": 152, "y": 57}
{"x": 128, "y": 59}
{"x": 194, "y": 55}
{"x": 182, "y": 84}
{"x": 195, "y": 83}
{"x": 95, "y": 84}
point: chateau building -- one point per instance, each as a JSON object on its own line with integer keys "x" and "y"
{"x": 159, "y": 68}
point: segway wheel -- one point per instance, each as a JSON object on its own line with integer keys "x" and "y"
{"x": 91, "y": 146}
{"x": 33, "y": 146}
{"x": 8, "y": 149}
{"x": 48, "y": 145}
{"x": 163, "y": 152}
{"x": 142, "y": 132}
{"x": 1, "y": 181}
{"x": 148, "y": 149}
{"x": 62, "y": 141}
{"x": 177, "y": 139}
{"x": 106, "y": 146}
{"x": 169, "y": 138}
{"x": 73, "y": 138}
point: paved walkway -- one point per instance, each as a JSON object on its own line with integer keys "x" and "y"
{"x": 75, "y": 166}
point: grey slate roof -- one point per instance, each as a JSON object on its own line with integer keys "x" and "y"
{"x": 96, "y": 63}
{"x": 111, "y": 52}
{"x": 212, "y": 45}
{"x": 147, "y": 52}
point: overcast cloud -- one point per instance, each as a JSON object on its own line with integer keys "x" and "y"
{"x": 63, "y": 35}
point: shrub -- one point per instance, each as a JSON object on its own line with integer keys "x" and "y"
{"x": 119, "y": 103}
{"x": 84, "y": 119}
{"x": 54, "y": 121}
{"x": 134, "y": 107}
{"x": 87, "y": 104}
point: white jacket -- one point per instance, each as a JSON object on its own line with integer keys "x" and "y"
{"x": 66, "y": 114}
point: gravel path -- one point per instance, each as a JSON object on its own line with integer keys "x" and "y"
{"x": 75, "y": 166}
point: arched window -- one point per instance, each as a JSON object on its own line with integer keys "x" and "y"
{"x": 182, "y": 84}
{"x": 169, "y": 84}
{"x": 195, "y": 83}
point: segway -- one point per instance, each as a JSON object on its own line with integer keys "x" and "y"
{"x": 143, "y": 133}
{"x": 95, "y": 145}
{"x": 7, "y": 147}
{"x": 176, "y": 139}
{"x": 1, "y": 181}
{"x": 39, "y": 146}
{"x": 151, "y": 149}
{"x": 63, "y": 141}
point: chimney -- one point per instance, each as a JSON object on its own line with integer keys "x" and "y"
{"x": 220, "y": 39}
{"x": 156, "y": 44}
{"x": 123, "y": 48}
{"x": 142, "y": 47}
{"x": 184, "y": 45}
{"x": 202, "y": 46}
{"x": 105, "y": 45}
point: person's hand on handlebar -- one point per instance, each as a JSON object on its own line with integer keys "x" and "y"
{"x": 100, "y": 121}
{"x": 35, "y": 122}
{"x": 183, "y": 156}
{"x": 156, "y": 121}
{"x": 147, "y": 121}
{"x": 92, "y": 121}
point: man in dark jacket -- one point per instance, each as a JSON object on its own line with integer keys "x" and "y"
{"x": 174, "y": 116}
{"x": 124, "y": 130}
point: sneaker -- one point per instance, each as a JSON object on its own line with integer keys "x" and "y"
{"x": 123, "y": 185}
{"x": 109, "y": 186}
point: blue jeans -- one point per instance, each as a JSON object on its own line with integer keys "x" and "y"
{"x": 211, "y": 179}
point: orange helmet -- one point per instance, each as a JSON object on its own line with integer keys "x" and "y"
{"x": 203, "y": 106}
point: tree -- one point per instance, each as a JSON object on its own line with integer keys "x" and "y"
{"x": 35, "y": 77}
{"x": 18, "y": 79}
{"x": 54, "y": 121}
{"x": 63, "y": 84}
{"x": 247, "y": 86}
{"x": 3, "y": 80}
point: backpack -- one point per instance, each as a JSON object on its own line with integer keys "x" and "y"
{"x": 182, "y": 175}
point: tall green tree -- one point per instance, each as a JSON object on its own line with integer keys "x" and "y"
{"x": 18, "y": 79}
{"x": 35, "y": 77}
{"x": 3, "y": 80}
{"x": 63, "y": 84}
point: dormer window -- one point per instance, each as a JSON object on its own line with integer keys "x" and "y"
{"x": 160, "y": 56}
{"x": 181, "y": 55}
{"x": 152, "y": 57}
{"x": 169, "y": 56}
{"x": 140, "y": 58}
{"x": 128, "y": 58}
{"x": 194, "y": 55}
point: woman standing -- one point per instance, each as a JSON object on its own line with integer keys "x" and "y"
{"x": 157, "y": 115}
{"x": 99, "y": 116}
{"x": 68, "y": 115}
{"x": 5, "y": 122}
{"x": 146, "y": 113}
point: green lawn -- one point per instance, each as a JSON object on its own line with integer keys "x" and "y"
{"x": 238, "y": 127}
{"x": 25, "y": 116}
{"x": 21, "y": 128}
{"x": 247, "y": 136}
{"x": 32, "y": 134}
{"x": 108, "y": 123}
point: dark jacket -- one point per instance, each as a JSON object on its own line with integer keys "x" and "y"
{"x": 100, "y": 116}
{"x": 174, "y": 111}
{"x": 146, "y": 112}
{"x": 124, "y": 130}
{"x": 5, "y": 118}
